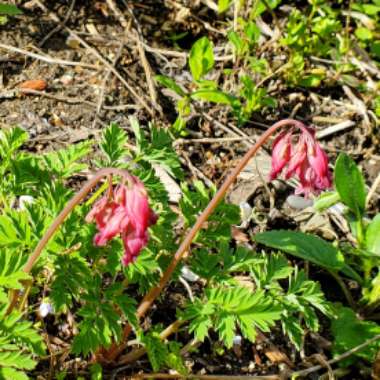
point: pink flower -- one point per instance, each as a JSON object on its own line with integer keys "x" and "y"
{"x": 305, "y": 160}
{"x": 280, "y": 153}
{"x": 124, "y": 212}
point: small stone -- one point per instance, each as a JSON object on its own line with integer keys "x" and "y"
{"x": 188, "y": 274}
{"x": 66, "y": 79}
{"x": 45, "y": 309}
{"x": 237, "y": 340}
{"x": 298, "y": 202}
{"x": 25, "y": 200}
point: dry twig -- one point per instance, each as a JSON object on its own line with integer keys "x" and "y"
{"x": 95, "y": 53}
{"x": 337, "y": 359}
{"x": 46, "y": 58}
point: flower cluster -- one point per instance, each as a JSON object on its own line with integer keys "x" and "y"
{"x": 304, "y": 159}
{"x": 125, "y": 212}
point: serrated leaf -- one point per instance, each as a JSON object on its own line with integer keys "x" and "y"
{"x": 226, "y": 328}
{"x": 174, "y": 358}
{"x": 349, "y": 183}
{"x": 201, "y": 59}
{"x": 71, "y": 277}
{"x": 8, "y": 233}
{"x": 156, "y": 349}
{"x": 292, "y": 328}
{"x": 14, "y": 280}
{"x": 63, "y": 163}
{"x": 158, "y": 150}
{"x": 170, "y": 83}
{"x": 16, "y": 359}
{"x": 99, "y": 327}
{"x": 305, "y": 246}
{"x": 113, "y": 144}
{"x": 11, "y": 140}
{"x": 372, "y": 236}
{"x": 8, "y": 373}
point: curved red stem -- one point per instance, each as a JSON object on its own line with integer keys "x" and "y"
{"x": 149, "y": 298}
{"x": 87, "y": 187}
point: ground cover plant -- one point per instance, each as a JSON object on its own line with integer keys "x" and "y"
{"x": 189, "y": 190}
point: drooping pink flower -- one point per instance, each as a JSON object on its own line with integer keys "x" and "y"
{"x": 124, "y": 212}
{"x": 280, "y": 153}
{"x": 304, "y": 159}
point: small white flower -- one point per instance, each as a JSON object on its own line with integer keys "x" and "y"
{"x": 237, "y": 340}
{"x": 299, "y": 203}
{"x": 25, "y": 200}
{"x": 45, "y": 309}
{"x": 189, "y": 275}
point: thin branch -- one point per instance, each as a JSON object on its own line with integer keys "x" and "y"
{"x": 337, "y": 359}
{"x": 58, "y": 27}
{"x": 46, "y": 58}
{"x": 373, "y": 189}
{"x": 103, "y": 85}
{"x": 95, "y": 53}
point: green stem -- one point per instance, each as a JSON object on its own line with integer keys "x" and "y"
{"x": 343, "y": 286}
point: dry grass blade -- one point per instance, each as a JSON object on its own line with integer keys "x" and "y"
{"x": 46, "y": 58}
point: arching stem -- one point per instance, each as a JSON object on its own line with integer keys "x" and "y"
{"x": 115, "y": 350}
{"x": 76, "y": 199}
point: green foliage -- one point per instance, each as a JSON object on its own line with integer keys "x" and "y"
{"x": 350, "y": 332}
{"x": 64, "y": 162}
{"x": 219, "y": 223}
{"x": 213, "y": 96}
{"x": 305, "y": 246}
{"x": 157, "y": 150}
{"x": 170, "y": 83}
{"x": 326, "y": 200}
{"x": 372, "y": 236}
{"x": 9, "y": 10}
{"x": 262, "y": 6}
{"x": 226, "y": 308}
{"x": 349, "y": 183}
{"x": 219, "y": 266}
{"x": 201, "y": 59}
{"x": 71, "y": 278}
{"x": 163, "y": 354}
{"x": 223, "y": 5}
{"x": 246, "y": 40}
{"x": 113, "y": 145}
{"x": 298, "y": 299}
{"x": 101, "y": 322}
{"x": 11, "y": 275}
{"x": 254, "y": 99}
{"x": 19, "y": 343}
